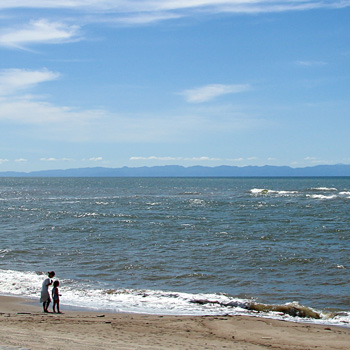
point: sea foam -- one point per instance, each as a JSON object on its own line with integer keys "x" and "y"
{"x": 83, "y": 294}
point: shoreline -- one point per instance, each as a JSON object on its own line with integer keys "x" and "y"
{"x": 24, "y": 325}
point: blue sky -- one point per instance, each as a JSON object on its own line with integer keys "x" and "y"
{"x": 87, "y": 83}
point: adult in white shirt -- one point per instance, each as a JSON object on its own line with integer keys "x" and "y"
{"x": 45, "y": 295}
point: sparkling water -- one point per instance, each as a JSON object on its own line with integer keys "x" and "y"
{"x": 274, "y": 246}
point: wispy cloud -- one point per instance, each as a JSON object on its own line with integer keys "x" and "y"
{"x": 156, "y": 158}
{"x": 39, "y": 31}
{"x": 210, "y": 92}
{"x": 197, "y": 159}
{"x": 236, "y": 159}
{"x": 310, "y": 63}
{"x": 46, "y": 120}
{"x": 203, "y": 159}
{"x": 2, "y": 160}
{"x": 12, "y": 80}
{"x": 315, "y": 160}
{"x": 148, "y": 11}
{"x": 50, "y": 121}
{"x": 170, "y": 5}
{"x": 190, "y": 159}
{"x": 147, "y": 18}
{"x": 17, "y": 106}
{"x": 53, "y": 159}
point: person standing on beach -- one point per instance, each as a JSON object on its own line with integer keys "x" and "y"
{"x": 45, "y": 295}
{"x": 56, "y": 297}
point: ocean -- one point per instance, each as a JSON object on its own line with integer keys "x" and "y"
{"x": 272, "y": 247}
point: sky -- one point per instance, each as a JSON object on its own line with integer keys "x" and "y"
{"x": 114, "y": 83}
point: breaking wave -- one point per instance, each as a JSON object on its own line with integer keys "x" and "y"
{"x": 82, "y": 294}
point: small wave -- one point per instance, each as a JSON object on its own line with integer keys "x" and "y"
{"x": 189, "y": 193}
{"x": 259, "y": 191}
{"x": 291, "y": 309}
{"x": 324, "y": 189}
{"x": 341, "y": 267}
{"x": 197, "y": 202}
{"x": 265, "y": 191}
{"x": 144, "y": 301}
{"x": 152, "y": 204}
{"x": 3, "y": 252}
{"x": 86, "y": 215}
{"x": 321, "y": 196}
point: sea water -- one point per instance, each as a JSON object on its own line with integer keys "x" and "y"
{"x": 273, "y": 247}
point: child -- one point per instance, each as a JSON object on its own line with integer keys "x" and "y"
{"x": 45, "y": 295}
{"x": 56, "y": 297}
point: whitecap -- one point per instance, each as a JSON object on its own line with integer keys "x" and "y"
{"x": 287, "y": 193}
{"x": 265, "y": 191}
{"x": 259, "y": 191}
{"x": 156, "y": 302}
{"x": 324, "y": 189}
{"x": 197, "y": 202}
{"x": 321, "y": 196}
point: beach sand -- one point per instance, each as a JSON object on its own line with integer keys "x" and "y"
{"x": 24, "y": 325}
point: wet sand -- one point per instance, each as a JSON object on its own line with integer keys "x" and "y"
{"x": 24, "y": 325}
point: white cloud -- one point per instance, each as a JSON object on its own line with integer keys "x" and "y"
{"x": 210, "y": 92}
{"x": 96, "y": 159}
{"x": 49, "y": 159}
{"x": 12, "y": 80}
{"x": 172, "y": 5}
{"x": 28, "y": 111}
{"x": 45, "y": 120}
{"x": 40, "y": 31}
{"x": 156, "y": 158}
{"x": 235, "y": 159}
{"x": 203, "y": 159}
{"x": 194, "y": 159}
{"x": 146, "y": 11}
{"x": 200, "y": 159}
{"x": 53, "y": 159}
{"x": 21, "y": 160}
{"x": 315, "y": 160}
{"x": 147, "y": 18}
{"x": 3, "y": 161}
{"x": 310, "y": 63}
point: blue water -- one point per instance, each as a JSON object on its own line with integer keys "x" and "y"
{"x": 174, "y": 241}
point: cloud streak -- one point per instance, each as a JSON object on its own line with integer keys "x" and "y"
{"x": 190, "y": 159}
{"x": 210, "y": 92}
{"x": 13, "y": 80}
{"x": 148, "y": 11}
{"x": 53, "y": 159}
{"x": 168, "y": 5}
{"x": 310, "y": 63}
{"x": 42, "y": 119}
{"x": 39, "y": 31}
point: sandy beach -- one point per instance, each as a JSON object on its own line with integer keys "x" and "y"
{"x": 24, "y": 325}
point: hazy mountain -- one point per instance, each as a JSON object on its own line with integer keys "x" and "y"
{"x": 193, "y": 171}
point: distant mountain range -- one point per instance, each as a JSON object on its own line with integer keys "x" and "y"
{"x": 193, "y": 171}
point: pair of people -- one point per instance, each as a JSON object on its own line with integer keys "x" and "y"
{"x": 45, "y": 295}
